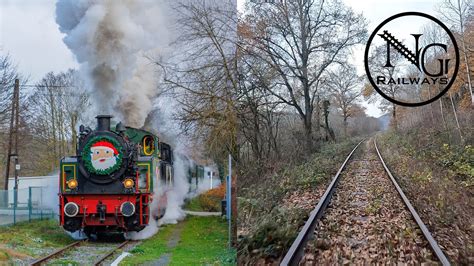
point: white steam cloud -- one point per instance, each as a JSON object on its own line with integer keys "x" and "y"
{"x": 152, "y": 227}
{"x": 110, "y": 40}
{"x": 172, "y": 196}
{"x": 162, "y": 118}
{"x": 162, "y": 121}
{"x": 177, "y": 194}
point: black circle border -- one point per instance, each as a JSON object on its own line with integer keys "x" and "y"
{"x": 411, "y": 13}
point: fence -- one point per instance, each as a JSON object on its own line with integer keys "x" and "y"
{"x": 27, "y": 204}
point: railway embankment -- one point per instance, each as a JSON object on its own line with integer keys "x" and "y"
{"x": 273, "y": 208}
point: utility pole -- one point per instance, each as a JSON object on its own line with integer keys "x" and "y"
{"x": 17, "y": 113}
{"x": 17, "y": 123}
{"x": 229, "y": 200}
{"x": 10, "y": 137}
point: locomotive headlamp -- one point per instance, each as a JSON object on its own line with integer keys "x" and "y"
{"x": 71, "y": 209}
{"x": 72, "y": 184}
{"x": 127, "y": 209}
{"x": 128, "y": 183}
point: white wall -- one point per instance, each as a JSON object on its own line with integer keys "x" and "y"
{"x": 46, "y": 197}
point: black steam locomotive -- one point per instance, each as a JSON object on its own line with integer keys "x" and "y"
{"x": 114, "y": 178}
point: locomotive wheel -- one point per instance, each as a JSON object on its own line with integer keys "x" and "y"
{"x": 72, "y": 224}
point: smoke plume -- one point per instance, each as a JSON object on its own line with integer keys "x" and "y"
{"x": 111, "y": 39}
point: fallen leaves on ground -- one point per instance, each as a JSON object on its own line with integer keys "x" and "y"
{"x": 367, "y": 222}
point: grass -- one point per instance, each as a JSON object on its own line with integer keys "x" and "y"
{"x": 203, "y": 241}
{"x": 151, "y": 248}
{"x": 29, "y": 239}
{"x": 66, "y": 262}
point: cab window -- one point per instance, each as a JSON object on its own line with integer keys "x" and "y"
{"x": 148, "y": 145}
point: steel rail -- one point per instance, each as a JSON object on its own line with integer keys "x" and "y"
{"x": 434, "y": 245}
{"x": 57, "y": 252}
{"x": 110, "y": 253}
{"x": 296, "y": 251}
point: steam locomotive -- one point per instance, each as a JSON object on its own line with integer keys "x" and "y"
{"x": 112, "y": 181}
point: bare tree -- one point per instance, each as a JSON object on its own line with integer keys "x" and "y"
{"x": 299, "y": 40}
{"x": 259, "y": 111}
{"x": 8, "y": 74}
{"x": 342, "y": 84}
{"x": 75, "y": 104}
{"x": 203, "y": 73}
{"x": 457, "y": 13}
{"x": 56, "y": 106}
{"x": 391, "y": 89}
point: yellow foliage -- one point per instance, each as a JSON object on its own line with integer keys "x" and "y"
{"x": 368, "y": 90}
{"x": 211, "y": 199}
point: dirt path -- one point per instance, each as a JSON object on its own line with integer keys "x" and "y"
{"x": 366, "y": 221}
{"x": 172, "y": 243}
{"x": 195, "y": 213}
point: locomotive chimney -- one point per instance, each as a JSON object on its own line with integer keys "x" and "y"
{"x": 103, "y": 122}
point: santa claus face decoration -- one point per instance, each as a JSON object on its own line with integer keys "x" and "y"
{"x": 102, "y": 156}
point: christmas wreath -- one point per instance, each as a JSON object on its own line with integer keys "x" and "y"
{"x": 106, "y": 143}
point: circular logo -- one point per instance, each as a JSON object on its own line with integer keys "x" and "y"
{"x": 101, "y": 155}
{"x": 411, "y": 68}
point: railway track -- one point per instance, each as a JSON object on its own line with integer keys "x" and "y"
{"x": 110, "y": 253}
{"x": 96, "y": 252}
{"x": 340, "y": 225}
{"x": 44, "y": 259}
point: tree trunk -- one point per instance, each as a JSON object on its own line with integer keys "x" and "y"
{"x": 317, "y": 117}
{"x": 394, "y": 117}
{"x": 308, "y": 129}
{"x": 345, "y": 125}
{"x": 463, "y": 42}
{"x": 329, "y": 131}
{"x": 456, "y": 118}
{"x": 257, "y": 150}
{"x": 54, "y": 129}
{"x": 61, "y": 136}
{"x": 442, "y": 116}
{"x": 431, "y": 107}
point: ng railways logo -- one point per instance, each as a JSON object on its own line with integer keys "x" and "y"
{"x": 397, "y": 72}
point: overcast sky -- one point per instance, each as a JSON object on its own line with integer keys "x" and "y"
{"x": 28, "y": 32}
